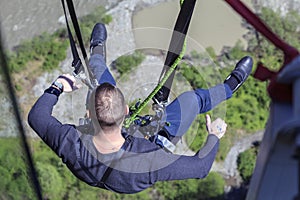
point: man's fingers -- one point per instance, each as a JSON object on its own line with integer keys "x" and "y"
{"x": 217, "y": 127}
{"x": 208, "y": 122}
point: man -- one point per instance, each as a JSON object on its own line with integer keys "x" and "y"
{"x": 112, "y": 159}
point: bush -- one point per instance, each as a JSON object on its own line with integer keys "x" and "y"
{"x": 126, "y": 63}
{"x": 51, "y": 49}
{"x": 50, "y": 180}
{"x": 46, "y": 48}
{"x": 211, "y": 187}
{"x": 246, "y": 163}
{"x": 15, "y": 181}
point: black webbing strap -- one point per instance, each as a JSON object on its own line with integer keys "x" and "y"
{"x": 76, "y": 59}
{"x": 175, "y": 47}
{"x": 77, "y": 64}
{"x": 76, "y": 27}
{"x": 109, "y": 169}
{"x": 106, "y": 174}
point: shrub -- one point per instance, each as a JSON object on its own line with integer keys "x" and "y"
{"x": 126, "y": 63}
{"x": 246, "y": 163}
{"x": 211, "y": 187}
{"x": 15, "y": 181}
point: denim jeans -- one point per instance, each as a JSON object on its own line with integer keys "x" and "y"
{"x": 100, "y": 70}
{"x": 181, "y": 112}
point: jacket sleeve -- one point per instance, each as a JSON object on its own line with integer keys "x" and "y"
{"x": 185, "y": 167}
{"x": 59, "y": 137}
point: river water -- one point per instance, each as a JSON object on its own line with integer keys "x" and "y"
{"x": 214, "y": 23}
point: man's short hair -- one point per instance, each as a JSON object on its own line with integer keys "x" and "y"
{"x": 110, "y": 105}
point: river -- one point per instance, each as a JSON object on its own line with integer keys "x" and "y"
{"x": 214, "y": 23}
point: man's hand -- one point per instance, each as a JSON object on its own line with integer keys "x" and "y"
{"x": 69, "y": 82}
{"x": 217, "y": 127}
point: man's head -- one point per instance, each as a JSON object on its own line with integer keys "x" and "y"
{"x": 109, "y": 107}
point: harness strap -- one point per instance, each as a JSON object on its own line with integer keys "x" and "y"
{"x": 89, "y": 80}
{"x": 277, "y": 91}
{"x": 109, "y": 169}
{"x": 76, "y": 26}
{"x": 76, "y": 59}
{"x": 176, "y": 47}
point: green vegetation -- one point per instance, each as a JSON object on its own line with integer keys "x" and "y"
{"x": 45, "y": 52}
{"x": 246, "y": 163}
{"x": 211, "y": 187}
{"x": 46, "y": 48}
{"x": 57, "y": 182}
{"x": 87, "y": 22}
{"x": 248, "y": 110}
{"x": 126, "y": 63}
{"x": 15, "y": 183}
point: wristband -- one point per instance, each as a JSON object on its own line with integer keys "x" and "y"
{"x": 59, "y": 85}
{"x": 53, "y": 90}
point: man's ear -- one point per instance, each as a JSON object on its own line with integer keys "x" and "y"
{"x": 126, "y": 110}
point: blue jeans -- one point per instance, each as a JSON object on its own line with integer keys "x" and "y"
{"x": 100, "y": 70}
{"x": 181, "y": 112}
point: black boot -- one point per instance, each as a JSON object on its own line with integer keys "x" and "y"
{"x": 98, "y": 38}
{"x": 240, "y": 73}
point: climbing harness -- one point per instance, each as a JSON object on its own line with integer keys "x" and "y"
{"x": 150, "y": 125}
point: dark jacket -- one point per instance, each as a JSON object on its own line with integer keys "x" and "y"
{"x": 136, "y": 166}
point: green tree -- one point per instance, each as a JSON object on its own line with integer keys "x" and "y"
{"x": 50, "y": 180}
{"x": 212, "y": 187}
{"x": 246, "y": 163}
{"x": 15, "y": 182}
{"x": 126, "y": 63}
